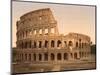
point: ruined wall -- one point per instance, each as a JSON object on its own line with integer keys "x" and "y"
{"x": 38, "y": 39}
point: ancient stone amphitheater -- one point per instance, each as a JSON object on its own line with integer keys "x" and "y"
{"x": 39, "y": 41}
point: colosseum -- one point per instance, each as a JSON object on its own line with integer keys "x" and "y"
{"x": 39, "y": 42}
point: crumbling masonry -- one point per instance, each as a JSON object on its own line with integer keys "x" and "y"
{"x": 38, "y": 40}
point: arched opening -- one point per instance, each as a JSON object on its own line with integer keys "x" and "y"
{"x": 79, "y": 45}
{"x": 40, "y": 57}
{"x": 82, "y": 45}
{"x": 29, "y": 57}
{"x": 30, "y": 44}
{"x": 34, "y": 56}
{"x": 65, "y": 56}
{"x": 22, "y": 45}
{"x": 65, "y": 43}
{"x": 75, "y": 55}
{"x": 76, "y": 44}
{"x": 80, "y": 54}
{"x": 46, "y": 44}
{"x": 45, "y": 56}
{"x": 79, "y": 40}
{"x": 25, "y": 56}
{"x": 46, "y": 31}
{"x": 34, "y": 44}
{"x": 52, "y": 43}
{"x": 34, "y": 32}
{"x": 71, "y": 54}
{"x": 70, "y": 43}
{"x": 58, "y": 43}
{"x": 40, "y": 31}
{"x": 52, "y": 56}
{"x": 40, "y": 44}
{"x": 25, "y": 44}
{"x": 59, "y": 56}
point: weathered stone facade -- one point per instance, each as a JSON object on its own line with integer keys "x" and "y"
{"x": 38, "y": 40}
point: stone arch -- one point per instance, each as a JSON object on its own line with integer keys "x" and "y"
{"x": 59, "y": 56}
{"x": 30, "y": 44}
{"x": 40, "y": 57}
{"x": 46, "y": 31}
{"x": 40, "y": 44}
{"x": 65, "y": 56}
{"x": 80, "y": 40}
{"x": 40, "y": 31}
{"x": 52, "y": 56}
{"x": 34, "y": 32}
{"x": 25, "y": 56}
{"x": 80, "y": 54}
{"x": 75, "y": 55}
{"x": 46, "y": 44}
{"x": 34, "y": 44}
{"x": 34, "y": 56}
{"x": 45, "y": 56}
{"x": 65, "y": 43}
{"x": 79, "y": 45}
{"x": 71, "y": 54}
{"x": 76, "y": 44}
{"x": 58, "y": 43}
{"x": 52, "y": 43}
{"x": 70, "y": 43}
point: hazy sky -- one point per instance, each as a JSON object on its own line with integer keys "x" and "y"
{"x": 70, "y": 18}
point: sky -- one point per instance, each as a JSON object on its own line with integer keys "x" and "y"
{"x": 70, "y": 18}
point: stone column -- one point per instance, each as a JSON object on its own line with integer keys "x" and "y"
{"x": 28, "y": 57}
{"x": 37, "y": 57}
{"x": 78, "y": 55}
{"x": 49, "y": 44}
{"x": 55, "y": 57}
{"x": 62, "y": 43}
{"x": 42, "y": 56}
{"x": 62, "y": 57}
{"x": 49, "y": 31}
{"x": 23, "y": 57}
{"x": 49, "y": 57}
{"x": 43, "y": 42}
{"x": 55, "y": 45}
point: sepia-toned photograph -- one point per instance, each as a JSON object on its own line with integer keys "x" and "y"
{"x": 52, "y": 37}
